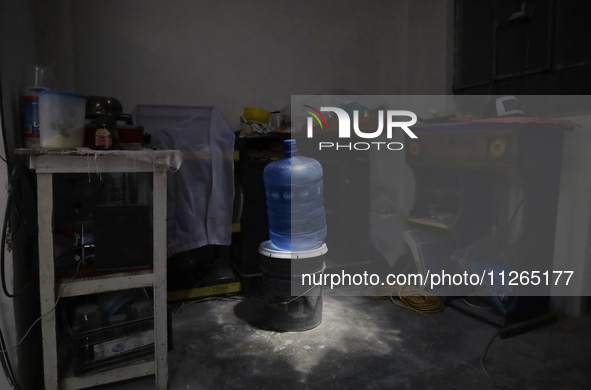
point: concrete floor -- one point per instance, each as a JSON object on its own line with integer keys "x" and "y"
{"x": 366, "y": 344}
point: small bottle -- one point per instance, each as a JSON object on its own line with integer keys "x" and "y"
{"x": 106, "y": 136}
{"x": 31, "y": 118}
{"x": 102, "y": 138}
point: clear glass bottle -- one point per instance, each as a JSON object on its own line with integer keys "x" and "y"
{"x": 106, "y": 136}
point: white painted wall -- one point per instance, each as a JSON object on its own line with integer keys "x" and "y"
{"x": 233, "y": 54}
{"x": 430, "y": 51}
{"x": 54, "y": 39}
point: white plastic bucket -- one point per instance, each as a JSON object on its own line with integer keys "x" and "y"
{"x": 61, "y": 117}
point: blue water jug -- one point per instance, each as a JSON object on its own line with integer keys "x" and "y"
{"x": 295, "y": 203}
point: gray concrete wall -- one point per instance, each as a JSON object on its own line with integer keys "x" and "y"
{"x": 17, "y": 48}
{"x": 236, "y": 54}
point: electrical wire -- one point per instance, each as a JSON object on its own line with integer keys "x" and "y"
{"x": 16, "y": 190}
{"x": 5, "y": 359}
{"x": 408, "y": 297}
{"x": 72, "y": 250}
{"x": 14, "y": 198}
{"x": 2, "y": 250}
{"x": 474, "y": 305}
{"x": 504, "y": 233}
{"x": 3, "y": 128}
{"x": 7, "y": 366}
{"x": 421, "y": 302}
{"x": 514, "y": 214}
{"x": 52, "y": 309}
{"x": 484, "y": 356}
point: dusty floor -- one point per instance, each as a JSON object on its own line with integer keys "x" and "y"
{"x": 365, "y": 344}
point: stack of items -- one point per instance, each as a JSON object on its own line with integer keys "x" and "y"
{"x": 255, "y": 122}
{"x": 297, "y": 227}
{"x": 109, "y": 331}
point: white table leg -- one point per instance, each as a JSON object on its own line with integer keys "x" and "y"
{"x": 47, "y": 278}
{"x": 160, "y": 313}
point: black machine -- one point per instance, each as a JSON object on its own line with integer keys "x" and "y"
{"x": 123, "y": 236}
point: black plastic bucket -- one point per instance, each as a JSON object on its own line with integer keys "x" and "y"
{"x": 289, "y": 305}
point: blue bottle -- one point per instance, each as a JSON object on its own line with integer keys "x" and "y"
{"x": 295, "y": 203}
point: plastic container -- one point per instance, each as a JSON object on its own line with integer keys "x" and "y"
{"x": 141, "y": 309}
{"x": 295, "y": 204}
{"x": 40, "y": 76}
{"x": 289, "y": 305}
{"x": 61, "y": 117}
{"x": 117, "y": 302}
{"x": 256, "y": 114}
{"x": 31, "y": 118}
{"x": 86, "y": 318}
{"x": 107, "y": 347}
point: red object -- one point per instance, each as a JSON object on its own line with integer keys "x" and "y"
{"x": 130, "y": 137}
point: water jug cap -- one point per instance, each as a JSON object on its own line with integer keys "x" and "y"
{"x": 268, "y": 249}
{"x": 290, "y": 147}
